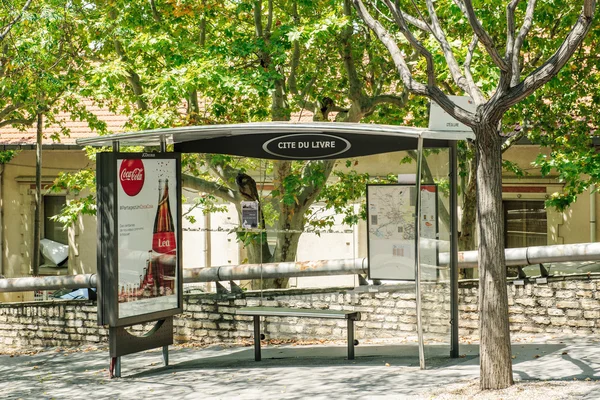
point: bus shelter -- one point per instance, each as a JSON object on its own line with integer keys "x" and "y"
{"x": 327, "y": 141}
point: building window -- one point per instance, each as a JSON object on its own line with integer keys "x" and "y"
{"x": 525, "y": 223}
{"x": 53, "y": 230}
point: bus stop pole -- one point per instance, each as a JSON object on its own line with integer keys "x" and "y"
{"x": 418, "y": 253}
{"x": 454, "y": 346}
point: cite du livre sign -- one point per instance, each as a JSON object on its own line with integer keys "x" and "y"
{"x": 139, "y": 254}
{"x": 307, "y": 146}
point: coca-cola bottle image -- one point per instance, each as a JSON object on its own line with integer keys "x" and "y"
{"x": 164, "y": 244}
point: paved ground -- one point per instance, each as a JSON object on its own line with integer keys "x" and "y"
{"x": 548, "y": 368}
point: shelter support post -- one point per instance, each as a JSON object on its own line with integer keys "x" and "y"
{"x": 165, "y": 353}
{"x": 350, "y": 327}
{"x": 257, "y": 356}
{"x": 418, "y": 254}
{"x": 454, "y": 346}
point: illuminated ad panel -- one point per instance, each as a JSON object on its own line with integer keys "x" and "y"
{"x": 145, "y": 280}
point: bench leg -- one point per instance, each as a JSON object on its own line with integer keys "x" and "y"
{"x": 256, "y": 338}
{"x": 350, "y": 339}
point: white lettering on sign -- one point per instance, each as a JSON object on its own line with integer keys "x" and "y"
{"x": 323, "y": 145}
{"x": 135, "y": 174}
{"x": 317, "y": 146}
{"x": 164, "y": 243}
{"x": 286, "y": 145}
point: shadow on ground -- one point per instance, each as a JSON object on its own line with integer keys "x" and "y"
{"x": 319, "y": 371}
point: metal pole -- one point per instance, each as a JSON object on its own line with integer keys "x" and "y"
{"x": 418, "y": 254}
{"x": 116, "y": 146}
{"x": 48, "y": 283}
{"x": 454, "y": 345}
{"x": 165, "y": 353}
{"x": 592, "y": 213}
{"x": 118, "y": 367}
{"x": 257, "y": 338}
{"x": 163, "y": 144}
{"x": 350, "y": 326}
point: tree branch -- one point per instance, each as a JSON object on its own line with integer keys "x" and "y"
{"x": 484, "y": 37}
{"x": 310, "y": 192}
{"x": 510, "y": 29}
{"x": 155, "y": 13}
{"x": 12, "y": 23}
{"x": 204, "y": 186}
{"x": 411, "y": 84}
{"x": 416, "y": 44}
{"x": 258, "y": 18}
{"x": 475, "y": 92}
{"x": 518, "y": 44}
{"x": 440, "y": 36}
{"x": 269, "y": 17}
{"x": 512, "y": 140}
{"x": 132, "y": 77}
{"x": 8, "y": 109}
{"x": 354, "y": 89}
{"x": 18, "y": 121}
{"x": 552, "y": 66}
{"x": 295, "y": 61}
{"x": 399, "y": 101}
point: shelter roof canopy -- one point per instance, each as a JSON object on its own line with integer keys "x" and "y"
{"x": 284, "y": 140}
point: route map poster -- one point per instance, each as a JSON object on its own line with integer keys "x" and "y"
{"x": 391, "y": 231}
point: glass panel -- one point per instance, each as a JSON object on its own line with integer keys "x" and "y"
{"x": 434, "y": 241}
{"x": 53, "y": 230}
{"x": 525, "y": 223}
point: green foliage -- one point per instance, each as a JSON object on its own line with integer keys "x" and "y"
{"x": 75, "y": 182}
{"x": 7, "y": 155}
{"x": 514, "y": 168}
{"x": 74, "y": 208}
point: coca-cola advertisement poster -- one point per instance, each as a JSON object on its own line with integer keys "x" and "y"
{"x": 147, "y": 201}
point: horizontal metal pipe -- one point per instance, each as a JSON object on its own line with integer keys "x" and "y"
{"x": 533, "y": 255}
{"x": 208, "y": 274}
{"x": 466, "y": 259}
{"x": 276, "y": 270}
{"x": 48, "y": 283}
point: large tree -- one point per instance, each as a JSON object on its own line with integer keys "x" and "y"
{"x": 240, "y": 62}
{"x": 41, "y": 58}
{"x": 503, "y": 44}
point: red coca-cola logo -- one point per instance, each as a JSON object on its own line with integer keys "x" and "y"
{"x": 132, "y": 176}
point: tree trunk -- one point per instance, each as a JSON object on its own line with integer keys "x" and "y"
{"x": 35, "y": 263}
{"x": 495, "y": 350}
{"x": 468, "y": 222}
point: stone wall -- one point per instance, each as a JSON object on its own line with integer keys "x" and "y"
{"x": 563, "y": 306}
{"x": 559, "y": 307}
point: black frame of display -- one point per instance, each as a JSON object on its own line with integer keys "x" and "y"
{"x": 107, "y": 243}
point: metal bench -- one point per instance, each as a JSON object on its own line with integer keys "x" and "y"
{"x": 258, "y": 312}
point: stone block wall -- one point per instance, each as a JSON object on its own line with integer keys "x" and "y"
{"x": 562, "y": 306}
{"x": 43, "y": 324}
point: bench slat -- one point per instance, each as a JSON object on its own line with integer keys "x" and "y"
{"x": 298, "y": 312}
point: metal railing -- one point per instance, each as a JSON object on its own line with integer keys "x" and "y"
{"x": 468, "y": 259}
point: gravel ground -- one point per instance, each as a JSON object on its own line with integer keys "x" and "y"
{"x": 532, "y": 390}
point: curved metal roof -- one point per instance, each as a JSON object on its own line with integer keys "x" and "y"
{"x": 254, "y": 139}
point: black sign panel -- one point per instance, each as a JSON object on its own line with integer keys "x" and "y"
{"x": 307, "y": 146}
{"x": 303, "y": 146}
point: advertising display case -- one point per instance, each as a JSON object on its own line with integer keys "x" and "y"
{"x": 139, "y": 229}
